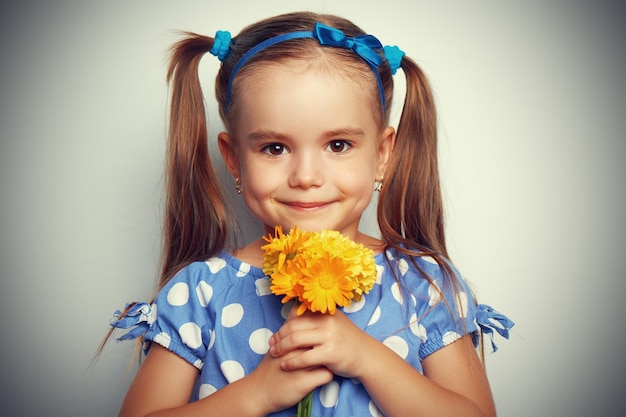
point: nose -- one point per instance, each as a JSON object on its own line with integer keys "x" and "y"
{"x": 306, "y": 172}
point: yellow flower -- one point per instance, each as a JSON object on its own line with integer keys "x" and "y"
{"x": 286, "y": 281}
{"x": 281, "y": 248}
{"x": 321, "y": 270}
{"x": 326, "y": 283}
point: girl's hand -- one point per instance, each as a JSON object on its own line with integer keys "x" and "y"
{"x": 281, "y": 388}
{"x": 332, "y": 341}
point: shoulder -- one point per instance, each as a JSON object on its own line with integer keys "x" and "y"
{"x": 206, "y": 279}
{"x": 416, "y": 269}
{"x": 220, "y": 268}
{"x": 430, "y": 283}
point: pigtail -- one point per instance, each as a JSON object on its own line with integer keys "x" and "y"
{"x": 196, "y": 212}
{"x": 410, "y": 209}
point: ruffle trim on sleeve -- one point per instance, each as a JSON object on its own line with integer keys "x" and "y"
{"x": 489, "y": 320}
{"x": 138, "y": 318}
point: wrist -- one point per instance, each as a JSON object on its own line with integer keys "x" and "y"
{"x": 258, "y": 401}
{"x": 372, "y": 370}
{"x": 249, "y": 399}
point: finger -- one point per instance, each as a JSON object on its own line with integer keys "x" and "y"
{"x": 302, "y": 339}
{"x": 308, "y": 359}
{"x": 292, "y": 325}
{"x": 320, "y": 376}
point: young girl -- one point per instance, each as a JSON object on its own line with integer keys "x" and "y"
{"x": 305, "y": 100}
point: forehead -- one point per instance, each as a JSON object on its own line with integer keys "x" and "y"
{"x": 299, "y": 95}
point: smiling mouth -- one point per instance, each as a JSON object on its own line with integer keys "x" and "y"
{"x": 302, "y": 206}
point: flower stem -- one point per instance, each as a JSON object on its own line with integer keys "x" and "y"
{"x": 304, "y": 406}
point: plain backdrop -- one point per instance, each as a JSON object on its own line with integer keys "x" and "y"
{"x": 532, "y": 105}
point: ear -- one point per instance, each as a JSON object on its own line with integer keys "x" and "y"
{"x": 385, "y": 149}
{"x": 230, "y": 153}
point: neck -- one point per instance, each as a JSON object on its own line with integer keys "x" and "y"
{"x": 251, "y": 253}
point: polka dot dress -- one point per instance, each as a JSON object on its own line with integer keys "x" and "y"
{"x": 219, "y": 315}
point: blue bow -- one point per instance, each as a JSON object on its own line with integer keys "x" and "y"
{"x": 139, "y": 316}
{"x": 485, "y": 318}
{"x": 363, "y": 45}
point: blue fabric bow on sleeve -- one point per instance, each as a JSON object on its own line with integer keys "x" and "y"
{"x": 139, "y": 315}
{"x": 489, "y": 320}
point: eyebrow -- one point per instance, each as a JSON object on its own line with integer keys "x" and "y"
{"x": 347, "y": 131}
{"x": 265, "y": 134}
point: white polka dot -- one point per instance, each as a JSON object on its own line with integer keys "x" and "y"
{"x": 232, "y": 315}
{"x": 178, "y": 295}
{"x": 206, "y": 390}
{"x": 211, "y": 339}
{"x": 259, "y": 341}
{"x": 355, "y": 306}
{"x": 389, "y": 255}
{"x": 417, "y": 328}
{"x": 434, "y": 294}
{"x": 329, "y": 394}
{"x": 414, "y": 325}
{"x": 374, "y": 411}
{"x": 398, "y": 345}
{"x": 198, "y": 363}
{"x": 403, "y": 266}
{"x": 204, "y": 292}
{"x": 244, "y": 268}
{"x": 450, "y": 337}
{"x": 163, "y": 339}
{"x": 461, "y": 304}
{"x": 379, "y": 274}
{"x": 423, "y": 334}
{"x": 232, "y": 370}
{"x": 375, "y": 316}
{"x": 153, "y": 314}
{"x": 395, "y": 291}
{"x": 191, "y": 335}
{"x": 429, "y": 259}
{"x": 216, "y": 264}
{"x": 262, "y": 287}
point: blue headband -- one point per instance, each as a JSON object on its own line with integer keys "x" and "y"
{"x": 364, "y": 46}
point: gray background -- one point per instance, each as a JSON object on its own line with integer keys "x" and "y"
{"x": 532, "y": 102}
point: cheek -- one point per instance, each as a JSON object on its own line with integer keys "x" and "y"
{"x": 258, "y": 180}
{"x": 358, "y": 172}
{"x": 357, "y": 182}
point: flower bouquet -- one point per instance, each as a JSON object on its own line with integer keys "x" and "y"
{"x": 321, "y": 270}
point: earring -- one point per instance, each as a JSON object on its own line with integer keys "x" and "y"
{"x": 238, "y": 185}
{"x": 378, "y": 185}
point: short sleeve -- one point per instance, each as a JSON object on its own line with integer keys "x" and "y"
{"x": 445, "y": 307}
{"x": 178, "y": 318}
{"x": 447, "y": 310}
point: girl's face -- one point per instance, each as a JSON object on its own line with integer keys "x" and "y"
{"x": 307, "y": 149}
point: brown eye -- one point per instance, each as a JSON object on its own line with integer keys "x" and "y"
{"x": 275, "y": 149}
{"x": 338, "y": 146}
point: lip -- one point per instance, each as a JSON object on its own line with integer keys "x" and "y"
{"x": 306, "y": 206}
